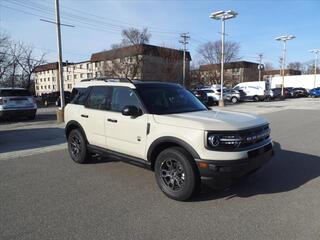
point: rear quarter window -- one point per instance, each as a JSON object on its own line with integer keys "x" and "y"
{"x": 79, "y": 96}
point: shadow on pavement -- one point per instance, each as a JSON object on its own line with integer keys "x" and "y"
{"x": 39, "y": 118}
{"x": 286, "y": 171}
{"x": 22, "y": 139}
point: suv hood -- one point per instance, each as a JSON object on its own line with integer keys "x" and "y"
{"x": 212, "y": 120}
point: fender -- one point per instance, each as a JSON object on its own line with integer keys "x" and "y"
{"x": 174, "y": 140}
{"x": 72, "y": 125}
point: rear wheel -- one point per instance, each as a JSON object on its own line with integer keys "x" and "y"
{"x": 177, "y": 174}
{"x": 77, "y": 147}
{"x": 234, "y": 99}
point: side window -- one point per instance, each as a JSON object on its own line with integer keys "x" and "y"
{"x": 123, "y": 96}
{"x": 79, "y": 95}
{"x": 99, "y": 98}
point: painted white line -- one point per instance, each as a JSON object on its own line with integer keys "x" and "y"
{"x": 30, "y": 152}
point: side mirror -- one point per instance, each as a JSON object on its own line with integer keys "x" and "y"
{"x": 131, "y": 111}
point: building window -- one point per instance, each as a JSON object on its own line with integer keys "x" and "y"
{"x": 68, "y": 77}
{"x": 48, "y": 79}
{"x": 49, "y": 86}
{"x": 97, "y": 64}
{"x": 80, "y": 66}
{"x": 45, "y": 86}
{"x": 81, "y": 75}
{"x": 69, "y": 86}
{"x": 37, "y": 87}
{"x": 53, "y": 79}
{"x": 41, "y": 87}
{"x": 75, "y": 76}
{"x": 53, "y": 87}
{"x": 88, "y": 65}
{"x": 89, "y": 75}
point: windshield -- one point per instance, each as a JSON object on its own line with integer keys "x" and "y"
{"x": 168, "y": 99}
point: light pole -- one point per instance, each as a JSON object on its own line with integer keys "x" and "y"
{"x": 284, "y": 38}
{"x": 316, "y": 52}
{"x": 222, "y": 15}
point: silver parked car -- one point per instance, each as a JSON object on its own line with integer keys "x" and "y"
{"x": 17, "y": 102}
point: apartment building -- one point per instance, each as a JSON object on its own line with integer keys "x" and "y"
{"x": 142, "y": 62}
{"x": 46, "y": 76}
{"x": 234, "y": 73}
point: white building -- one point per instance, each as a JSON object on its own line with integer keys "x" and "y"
{"x": 46, "y": 76}
{"x": 305, "y": 81}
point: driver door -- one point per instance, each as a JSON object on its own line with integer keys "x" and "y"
{"x": 126, "y": 134}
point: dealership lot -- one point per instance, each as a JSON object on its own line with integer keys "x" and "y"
{"x": 44, "y": 195}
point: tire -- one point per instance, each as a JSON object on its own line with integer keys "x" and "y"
{"x": 256, "y": 99}
{"x": 234, "y": 100}
{"x": 176, "y": 174}
{"x": 77, "y": 147}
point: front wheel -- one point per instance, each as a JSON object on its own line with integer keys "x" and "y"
{"x": 177, "y": 174}
{"x": 77, "y": 147}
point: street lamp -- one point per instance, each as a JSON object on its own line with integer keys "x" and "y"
{"x": 284, "y": 38}
{"x": 316, "y": 52}
{"x": 222, "y": 15}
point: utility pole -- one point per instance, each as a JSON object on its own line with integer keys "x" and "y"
{"x": 316, "y": 52}
{"x": 260, "y": 65}
{"x": 184, "y": 41}
{"x": 60, "y": 112}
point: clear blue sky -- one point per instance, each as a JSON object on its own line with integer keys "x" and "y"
{"x": 101, "y": 21}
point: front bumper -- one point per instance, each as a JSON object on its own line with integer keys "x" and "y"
{"x": 221, "y": 174}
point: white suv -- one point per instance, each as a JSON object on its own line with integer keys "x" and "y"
{"x": 17, "y": 102}
{"x": 166, "y": 128}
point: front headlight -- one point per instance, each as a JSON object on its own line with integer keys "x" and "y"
{"x": 232, "y": 140}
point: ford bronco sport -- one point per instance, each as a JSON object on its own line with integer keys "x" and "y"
{"x": 167, "y": 129}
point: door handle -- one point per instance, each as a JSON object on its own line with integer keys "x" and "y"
{"x": 84, "y": 116}
{"x": 112, "y": 120}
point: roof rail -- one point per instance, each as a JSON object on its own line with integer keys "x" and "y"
{"x": 108, "y": 79}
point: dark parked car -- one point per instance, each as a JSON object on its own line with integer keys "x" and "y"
{"x": 276, "y": 93}
{"x": 300, "y": 92}
{"x": 54, "y": 98}
{"x": 201, "y": 95}
{"x": 289, "y": 92}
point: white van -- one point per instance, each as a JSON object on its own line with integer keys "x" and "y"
{"x": 256, "y": 91}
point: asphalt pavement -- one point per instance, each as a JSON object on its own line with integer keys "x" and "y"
{"x": 44, "y": 195}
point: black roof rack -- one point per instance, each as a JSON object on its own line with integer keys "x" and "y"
{"x": 108, "y": 79}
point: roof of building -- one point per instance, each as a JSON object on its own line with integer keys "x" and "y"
{"x": 230, "y": 65}
{"x": 140, "y": 49}
{"x": 286, "y": 71}
{"x": 48, "y": 66}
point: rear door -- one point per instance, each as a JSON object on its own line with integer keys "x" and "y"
{"x": 126, "y": 134}
{"x": 94, "y": 113}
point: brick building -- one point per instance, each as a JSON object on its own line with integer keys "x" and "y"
{"x": 141, "y": 62}
{"x": 268, "y": 74}
{"x": 234, "y": 73}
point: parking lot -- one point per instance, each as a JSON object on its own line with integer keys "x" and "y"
{"x": 44, "y": 195}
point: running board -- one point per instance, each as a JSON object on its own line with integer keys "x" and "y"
{"x": 120, "y": 156}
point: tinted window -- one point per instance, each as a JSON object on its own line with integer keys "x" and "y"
{"x": 99, "y": 98}
{"x": 14, "y": 92}
{"x": 122, "y": 97}
{"x": 167, "y": 99}
{"x": 79, "y": 95}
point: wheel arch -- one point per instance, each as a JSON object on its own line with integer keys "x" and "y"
{"x": 71, "y": 125}
{"x": 165, "y": 142}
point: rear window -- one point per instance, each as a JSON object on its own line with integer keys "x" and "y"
{"x": 78, "y": 96}
{"x": 14, "y": 92}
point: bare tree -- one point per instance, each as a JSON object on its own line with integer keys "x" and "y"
{"x": 210, "y": 52}
{"x": 133, "y": 36}
{"x": 296, "y": 66}
{"x": 28, "y": 63}
{"x": 268, "y": 66}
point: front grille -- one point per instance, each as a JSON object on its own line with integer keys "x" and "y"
{"x": 253, "y": 136}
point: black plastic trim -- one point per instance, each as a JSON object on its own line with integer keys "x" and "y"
{"x": 174, "y": 140}
{"x": 120, "y": 156}
{"x": 72, "y": 122}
